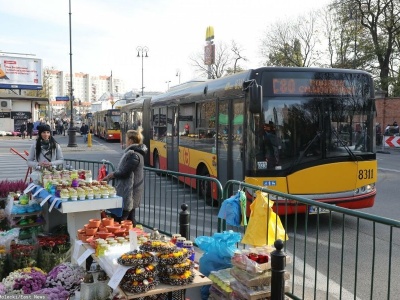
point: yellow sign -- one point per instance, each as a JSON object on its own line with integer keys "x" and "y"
{"x": 209, "y": 33}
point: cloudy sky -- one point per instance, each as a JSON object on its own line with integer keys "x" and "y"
{"x": 106, "y": 33}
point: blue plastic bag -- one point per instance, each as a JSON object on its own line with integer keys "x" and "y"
{"x": 218, "y": 251}
{"x": 230, "y": 210}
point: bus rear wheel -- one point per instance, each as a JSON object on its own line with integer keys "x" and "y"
{"x": 156, "y": 162}
{"x": 204, "y": 188}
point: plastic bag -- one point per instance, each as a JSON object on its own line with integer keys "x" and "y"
{"x": 218, "y": 251}
{"x": 230, "y": 210}
{"x": 262, "y": 213}
{"x": 102, "y": 173}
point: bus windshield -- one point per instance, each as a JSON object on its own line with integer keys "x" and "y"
{"x": 302, "y": 128}
{"x": 113, "y": 122}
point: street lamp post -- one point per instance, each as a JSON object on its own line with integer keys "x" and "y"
{"x": 113, "y": 102}
{"x": 167, "y": 82}
{"x": 71, "y": 130}
{"x": 142, "y": 52}
{"x": 178, "y": 74}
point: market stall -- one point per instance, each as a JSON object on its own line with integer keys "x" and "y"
{"x": 138, "y": 265}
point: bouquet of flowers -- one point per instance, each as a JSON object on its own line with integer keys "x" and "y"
{"x": 24, "y": 281}
{"x": 56, "y": 293}
{"x": 52, "y": 251}
{"x": 22, "y": 256}
{"x": 65, "y": 275}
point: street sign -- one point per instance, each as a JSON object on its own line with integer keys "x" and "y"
{"x": 62, "y": 98}
{"x": 392, "y": 141}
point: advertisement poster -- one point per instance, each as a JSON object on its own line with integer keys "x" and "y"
{"x": 20, "y": 73}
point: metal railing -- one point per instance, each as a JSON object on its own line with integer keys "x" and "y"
{"x": 340, "y": 254}
{"x": 163, "y": 196}
{"x": 91, "y": 165}
{"x": 335, "y": 253}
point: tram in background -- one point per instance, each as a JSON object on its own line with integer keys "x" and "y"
{"x": 106, "y": 124}
{"x": 89, "y": 121}
{"x": 303, "y": 131}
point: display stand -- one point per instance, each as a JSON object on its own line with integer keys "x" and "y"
{"x": 199, "y": 280}
{"x": 110, "y": 267}
{"x": 81, "y": 211}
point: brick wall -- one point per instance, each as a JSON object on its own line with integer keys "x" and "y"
{"x": 388, "y": 111}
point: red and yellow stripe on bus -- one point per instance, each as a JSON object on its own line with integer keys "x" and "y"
{"x": 330, "y": 184}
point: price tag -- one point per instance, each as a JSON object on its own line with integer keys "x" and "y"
{"x": 117, "y": 276}
{"x": 45, "y": 200}
{"x": 133, "y": 240}
{"x": 85, "y": 255}
{"x": 29, "y": 188}
{"x": 77, "y": 247}
{"x": 38, "y": 191}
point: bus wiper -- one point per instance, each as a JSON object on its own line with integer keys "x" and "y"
{"x": 317, "y": 136}
{"x": 344, "y": 145}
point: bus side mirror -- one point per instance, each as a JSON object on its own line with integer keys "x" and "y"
{"x": 105, "y": 119}
{"x": 255, "y": 96}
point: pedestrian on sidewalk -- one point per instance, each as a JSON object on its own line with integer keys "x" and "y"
{"x": 45, "y": 152}
{"x": 84, "y": 131}
{"x": 129, "y": 176}
{"x": 29, "y": 128}
{"x": 23, "y": 130}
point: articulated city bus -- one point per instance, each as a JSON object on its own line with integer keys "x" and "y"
{"x": 303, "y": 131}
{"x": 106, "y": 124}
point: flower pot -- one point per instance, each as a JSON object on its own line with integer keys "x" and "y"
{"x": 107, "y": 221}
{"x": 113, "y": 229}
{"x": 91, "y": 231}
{"x": 94, "y": 222}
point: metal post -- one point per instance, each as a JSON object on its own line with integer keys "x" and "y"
{"x": 278, "y": 264}
{"x": 71, "y": 130}
{"x": 184, "y": 221}
{"x": 141, "y": 50}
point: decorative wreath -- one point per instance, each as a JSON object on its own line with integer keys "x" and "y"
{"x": 136, "y": 258}
{"x": 133, "y": 286}
{"x": 176, "y": 257}
{"x": 177, "y": 279}
{"x": 140, "y": 273}
{"x": 179, "y": 268}
{"x": 158, "y": 246}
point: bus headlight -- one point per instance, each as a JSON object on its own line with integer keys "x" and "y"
{"x": 364, "y": 189}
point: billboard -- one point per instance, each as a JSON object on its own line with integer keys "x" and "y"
{"x": 20, "y": 73}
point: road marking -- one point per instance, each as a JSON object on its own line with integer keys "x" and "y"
{"x": 390, "y": 170}
{"x": 309, "y": 275}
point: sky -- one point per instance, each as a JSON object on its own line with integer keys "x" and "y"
{"x": 106, "y": 33}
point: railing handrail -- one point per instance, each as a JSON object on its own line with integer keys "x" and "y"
{"x": 354, "y": 213}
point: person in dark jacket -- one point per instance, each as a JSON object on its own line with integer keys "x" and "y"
{"x": 29, "y": 128}
{"x": 23, "y": 130}
{"x": 129, "y": 176}
{"x": 84, "y": 131}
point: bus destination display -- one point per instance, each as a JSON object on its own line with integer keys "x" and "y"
{"x": 302, "y": 86}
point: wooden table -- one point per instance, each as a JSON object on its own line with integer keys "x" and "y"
{"x": 199, "y": 280}
{"x": 109, "y": 267}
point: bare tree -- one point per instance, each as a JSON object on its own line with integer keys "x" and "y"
{"x": 226, "y": 61}
{"x": 288, "y": 43}
{"x": 236, "y": 49}
{"x": 381, "y": 19}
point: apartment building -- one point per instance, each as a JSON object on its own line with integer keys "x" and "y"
{"x": 87, "y": 88}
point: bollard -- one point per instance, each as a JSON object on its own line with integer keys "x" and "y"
{"x": 184, "y": 221}
{"x": 278, "y": 264}
{"x": 89, "y": 140}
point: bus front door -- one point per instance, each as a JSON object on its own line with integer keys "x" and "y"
{"x": 172, "y": 140}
